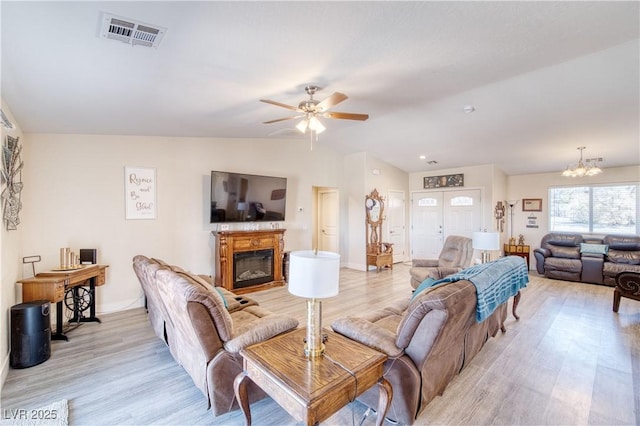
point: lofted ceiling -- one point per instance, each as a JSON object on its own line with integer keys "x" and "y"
{"x": 544, "y": 77}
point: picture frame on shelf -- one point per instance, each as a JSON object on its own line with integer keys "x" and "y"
{"x": 532, "y": 204}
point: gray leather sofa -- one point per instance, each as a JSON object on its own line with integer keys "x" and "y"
{"x": 623, "y": 255}
{"x": 573, "y": 257}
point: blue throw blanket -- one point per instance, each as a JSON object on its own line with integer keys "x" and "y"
{"x": 495, "y": 282}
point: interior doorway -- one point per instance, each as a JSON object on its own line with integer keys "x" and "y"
{"x": 437, "y": 214}
{"x": 396, "y": 220}
{"x": 327, "y": 213}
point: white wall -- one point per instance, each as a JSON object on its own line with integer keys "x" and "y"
{"x": 11, "y": 261}
{"x": 359, "y": 181}
{"x": 75, "y": 198}
{"x": 384, "y": 177}
{"x": 499, "y": 187}
{"x": 353, "y": 235}
{"x": 537, "y": 186}
{"x": 487, "y": 178}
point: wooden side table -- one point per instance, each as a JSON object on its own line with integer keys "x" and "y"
{"x": 312, "y": 390}
{"x": 380, "y": 255}
{"x": 518, "y": 250}
{"x": 380, "y": 260}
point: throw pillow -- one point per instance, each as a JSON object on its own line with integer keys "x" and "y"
{"x": 429, "y": 282}
{"x": 594, "y": 248}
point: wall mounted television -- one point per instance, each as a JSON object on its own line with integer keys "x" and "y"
{"x": 237, "y": 197}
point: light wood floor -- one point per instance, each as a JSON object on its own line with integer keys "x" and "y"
{"x": 570, "y": 360}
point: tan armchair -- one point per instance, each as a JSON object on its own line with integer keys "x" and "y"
{"x": 455, "y": 256}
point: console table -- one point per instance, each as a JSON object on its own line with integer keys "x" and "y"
{"x": 52, "y": 286}
{"x": 517, "y": 250}
{"x": 312, "y": 390}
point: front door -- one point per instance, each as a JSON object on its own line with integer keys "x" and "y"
{"x": 426, "y": 225}
{"x": 462, "y": 212}
{"x": 437, "y": 214}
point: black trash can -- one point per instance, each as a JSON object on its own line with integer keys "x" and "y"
{"x": 30, "y": 334}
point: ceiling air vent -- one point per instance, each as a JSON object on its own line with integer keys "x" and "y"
{"x": 131, "y": 31}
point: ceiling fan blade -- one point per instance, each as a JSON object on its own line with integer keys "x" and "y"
{"x": 279, "y": 104}
{"x": 346, "y": 116}
{"x": 282, "y": 119}
{"x": 331, "y": 101}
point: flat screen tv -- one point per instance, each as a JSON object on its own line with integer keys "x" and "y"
{"x": 237, "y": 197}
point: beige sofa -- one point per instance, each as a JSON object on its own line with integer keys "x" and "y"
{"x": 429, "y": 339}
{"x": 205, "y": 327}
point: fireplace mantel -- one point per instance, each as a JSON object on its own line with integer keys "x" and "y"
{"x": 229, "y": 243}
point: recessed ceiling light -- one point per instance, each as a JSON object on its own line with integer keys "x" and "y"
{"x": 469, "y": 109}
{"x": 424, "y": 157}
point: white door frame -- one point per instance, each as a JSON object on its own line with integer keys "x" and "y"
{"x": 396, "y": 227}
{"x": 319, "y": 220}
{"x": 443, "y": 190}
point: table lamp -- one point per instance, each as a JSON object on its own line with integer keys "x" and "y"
{"x": 486, "y": 241}
{"x": 314, "y": 274}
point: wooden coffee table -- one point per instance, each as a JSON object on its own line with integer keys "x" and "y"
{"x": 311, "y": 390}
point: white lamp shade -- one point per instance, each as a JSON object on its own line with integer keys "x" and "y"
{"x": 486, "y": 241}
{"x": 314, "y": 275}
{"x": 302, "y": 126}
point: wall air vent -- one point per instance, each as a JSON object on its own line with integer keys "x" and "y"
{"x": 131, "y": 31}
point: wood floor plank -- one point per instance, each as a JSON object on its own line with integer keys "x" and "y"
{"x": 569, "y": 360}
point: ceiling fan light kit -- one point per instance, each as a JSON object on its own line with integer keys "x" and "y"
{"x": 311, "y": 109}
{"x": 581, "y": 169}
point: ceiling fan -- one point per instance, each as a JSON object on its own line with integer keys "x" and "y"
{"x": 311, "y": 109}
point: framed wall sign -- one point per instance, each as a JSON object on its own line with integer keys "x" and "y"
{"x": 140, "y": 192}
{"x": 11, "y": 178}
{"x": 444, "y": 181}
{"x": 532, "y": 204}
{"x": 532, "y": 221}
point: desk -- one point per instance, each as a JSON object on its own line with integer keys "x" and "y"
{"x": 312, "y": 390}
{"x": 52, "y": 285}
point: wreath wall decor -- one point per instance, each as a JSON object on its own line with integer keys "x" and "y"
{"x": 12, "y": 179}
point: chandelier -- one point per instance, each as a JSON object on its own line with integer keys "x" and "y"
{"x": 586, "y": 168}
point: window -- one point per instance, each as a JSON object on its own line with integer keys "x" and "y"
{"x": 600, "y": 209}
{"x": 461, "y": 201}
{"x": 427, "y": 202}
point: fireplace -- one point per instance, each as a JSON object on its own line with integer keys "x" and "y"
{"x": 252, "y": 267}
{"x": 247, "y": 261}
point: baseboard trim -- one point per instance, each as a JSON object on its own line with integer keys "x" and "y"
{"x": 5, "y": 370}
